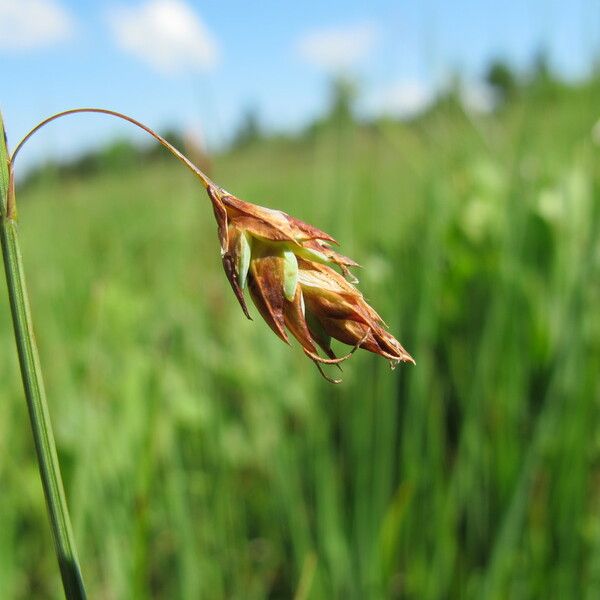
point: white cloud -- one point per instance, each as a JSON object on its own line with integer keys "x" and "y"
{"x": 338, "y": 48}
{"x": 27, "y": 24}
{"x": 401, "y": 99}
{"x": 166, "y": 34}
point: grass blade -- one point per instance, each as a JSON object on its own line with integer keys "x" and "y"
{"x": 34, "y": 389}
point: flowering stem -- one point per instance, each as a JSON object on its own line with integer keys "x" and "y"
{"x": 27, "y": 350}
{"x": 161, "y": 140}
{"x": 34, "y": 385}
{"x": 28, "y": 355}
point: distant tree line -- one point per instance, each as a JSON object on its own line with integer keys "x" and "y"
{"x": 119, "y": 155}
{"x": 504, "y": 82}
{"x": 507, "y": 84}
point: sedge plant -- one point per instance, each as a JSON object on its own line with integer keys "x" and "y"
{"x": 288, "y": 267}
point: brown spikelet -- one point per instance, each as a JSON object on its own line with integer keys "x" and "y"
{"x": 293, "y": 284}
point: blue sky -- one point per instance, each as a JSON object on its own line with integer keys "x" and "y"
{"x": 199, "y": 64}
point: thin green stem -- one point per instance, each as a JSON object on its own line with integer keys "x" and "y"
{"x": 33, "y": 384}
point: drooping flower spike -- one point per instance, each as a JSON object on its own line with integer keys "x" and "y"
{"x": 286, "y": 265}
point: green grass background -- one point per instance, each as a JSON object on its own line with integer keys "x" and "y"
{"x": 205, "y": 459}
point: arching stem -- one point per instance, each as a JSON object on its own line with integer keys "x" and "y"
{"x": 31, "y": 371}
{"x": 206, "y": 182}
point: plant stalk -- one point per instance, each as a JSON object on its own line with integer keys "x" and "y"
{"x": 33, "y": 384}
{"x": 206, "y": 182}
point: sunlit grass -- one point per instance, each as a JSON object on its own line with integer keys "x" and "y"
{"x": 203, "y": 458}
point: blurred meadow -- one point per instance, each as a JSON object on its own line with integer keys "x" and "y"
{"x": 203, "y": 458}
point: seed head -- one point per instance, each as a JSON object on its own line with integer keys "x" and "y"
{"x": 287, "y": 266}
